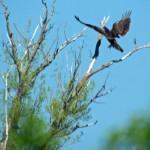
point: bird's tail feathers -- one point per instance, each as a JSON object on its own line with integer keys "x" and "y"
{"x": 119, "y": 48}
{"x": 116, "y": 46}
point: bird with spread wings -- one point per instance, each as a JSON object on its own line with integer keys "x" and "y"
{"x": 119, "y": 28}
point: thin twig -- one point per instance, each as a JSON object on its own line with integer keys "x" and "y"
{"x": 20, "y": 33}
{"x": 77, "y": 126}
{"x": 98, "y": 94}
{"x": 52, "y": 12}
{"x": 71, "y": 39}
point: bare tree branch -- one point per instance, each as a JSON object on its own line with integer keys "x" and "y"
{"x": 88, "y": 75}
{"x": 14, "y": 48}
{"x": 49, "y": 61}
{"x": 52, "y": 12}
{"x": 71, "y": 39}
{"x": 77, "y": 126}
{"x": 41, "y": 37}
{"x": 119, "y": 60}
{"x": 98, "y": 94}
{"x": 6, "y": 111}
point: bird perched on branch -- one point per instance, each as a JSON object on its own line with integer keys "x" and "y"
{"x": 119, "y": 28}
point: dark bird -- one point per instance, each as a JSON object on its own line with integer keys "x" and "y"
{"x": 119, "y": 28}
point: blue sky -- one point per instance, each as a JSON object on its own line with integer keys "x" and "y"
{"x": 130, "y": 78}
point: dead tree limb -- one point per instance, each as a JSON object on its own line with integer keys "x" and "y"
{"x": 85, "y": 78}
{"x": 119, "y": 60}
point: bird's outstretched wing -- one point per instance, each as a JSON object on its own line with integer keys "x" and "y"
{"x": 122, "y": 27}
{"x": 93, "y": 27}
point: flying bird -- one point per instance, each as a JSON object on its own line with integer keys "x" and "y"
{"x": 119, "y": 28}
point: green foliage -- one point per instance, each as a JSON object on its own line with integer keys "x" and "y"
{"x": 135, "y": 136}
{"x": 31, "y": 133}
{"x": 67, "y": 110}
